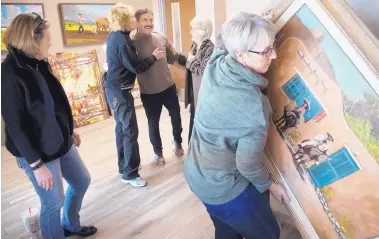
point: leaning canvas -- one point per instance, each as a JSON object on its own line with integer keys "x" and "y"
{"x": 84, "y": 23}
{"x": 324, "y": 137}
{"x": 9, "y": 11}
{"x": 79, "y": 75}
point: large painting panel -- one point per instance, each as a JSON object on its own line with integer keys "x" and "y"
{"x": 324, "y": 136}
{"x": 84, "y": 23}
{"x": 79, "y": 75}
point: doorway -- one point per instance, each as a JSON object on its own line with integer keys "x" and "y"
{"x": 179, "y": 14}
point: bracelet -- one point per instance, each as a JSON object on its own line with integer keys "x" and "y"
{"x": 37, "y": 166}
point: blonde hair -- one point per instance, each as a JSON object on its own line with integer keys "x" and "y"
{"x": 120, "y": 15}
{"x": 204, "y": 24}
{"x": 25, "y": 33}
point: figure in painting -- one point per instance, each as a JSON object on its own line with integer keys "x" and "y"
{"x": 80, "y": 23}
{"x": 314, "y": 150}
{"x": 291, "y": 118}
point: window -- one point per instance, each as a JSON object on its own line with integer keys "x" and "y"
{"x": 176, "y": 29}
{"x": 296, "y": 90}
{"x": 339, "y": 165}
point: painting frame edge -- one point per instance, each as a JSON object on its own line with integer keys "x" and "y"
{"x": 32, "y": 3}
{"x": 366, "y": 41}
{"x": 348, "y": 47}
{"x": 61, "y": 22}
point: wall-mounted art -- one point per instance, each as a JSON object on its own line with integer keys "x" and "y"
{"x": 324, "y": 135}
{"x": 10, "y": 10}
{"x": 84, "y": 23}
{"x": 79, "y": 75}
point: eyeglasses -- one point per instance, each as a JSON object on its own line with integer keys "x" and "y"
{"x": 266, "y": 53}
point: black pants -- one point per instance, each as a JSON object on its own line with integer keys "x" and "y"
{"x": 153, "y": 107}
{"x": 126, "y": 133}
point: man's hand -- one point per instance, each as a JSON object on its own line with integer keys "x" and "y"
{"x": 76, "y": 139}
{"x": 159, "y": 54}
{"x": 172, "y": 48}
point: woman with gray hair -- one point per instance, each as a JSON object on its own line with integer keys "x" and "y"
{"x": 202, "y": 48}
{"x": 224, "y": 165}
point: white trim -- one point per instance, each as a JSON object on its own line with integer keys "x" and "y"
{"x": 301, "y": 220}
{"x": 178, "y": 45}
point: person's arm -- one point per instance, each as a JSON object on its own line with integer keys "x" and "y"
{"x": 249, "y": 159}
{"x": 130, "y": 59}
{"x": 13, "y": 111}
{"x": 198, "y": 63}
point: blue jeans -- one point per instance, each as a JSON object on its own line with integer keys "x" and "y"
{"x": 73, "y": 170}
{"x": 247, "y": 216}
{"x": 126, "y": 131}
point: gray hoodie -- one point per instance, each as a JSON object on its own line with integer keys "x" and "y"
{"x": 230, "y": 130}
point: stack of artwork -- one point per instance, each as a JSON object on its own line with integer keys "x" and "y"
{"x": 79, "y": 75}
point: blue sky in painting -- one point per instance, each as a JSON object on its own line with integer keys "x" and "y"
{"x": 350, "y": 80}
{"x": 10, "y": 11}
{"x": 90, "y": 12}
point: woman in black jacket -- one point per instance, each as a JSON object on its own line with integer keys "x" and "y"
{"x": 202, "y": 49}
{"x": 39, "y": 127}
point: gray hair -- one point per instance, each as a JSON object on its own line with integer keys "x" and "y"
{"x": 243, "y": 30}
{"x": 205, "y": 24}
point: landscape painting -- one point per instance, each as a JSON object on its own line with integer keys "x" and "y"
{"x": 10, "y": 11}
{"x": 79, "y": 75}
{"x": 84, "y": 23}
{"x": 324, "y": 135}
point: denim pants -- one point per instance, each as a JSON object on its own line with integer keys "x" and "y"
{"x": 73, "y": 170}
{"x": 153, "y": 105}
{"x": 126, "y": 131}
{"x": 247, "y": 216}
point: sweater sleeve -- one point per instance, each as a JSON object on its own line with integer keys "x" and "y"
{"x": 130, "y": 58}
{"x": 13, "y": 112}
{"x": 249, "y": 160}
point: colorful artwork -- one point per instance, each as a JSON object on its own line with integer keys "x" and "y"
{"x": 324, "y": 136}
{"x": 84, "y": 24}
{"x": 10, "y": 11}
{"x": 79, "y": 74}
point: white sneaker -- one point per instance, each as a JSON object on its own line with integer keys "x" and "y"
{"x": 137, "y": 182}
{"x": 159, "y": 159}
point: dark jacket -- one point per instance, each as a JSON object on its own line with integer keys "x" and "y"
{"x": 37, "y": 114}
{"x": 123, "y": 62}
{"x": 195, "y": 71}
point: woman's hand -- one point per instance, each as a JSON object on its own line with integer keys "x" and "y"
{"x": 278, "y": 191}
{"x": 44, "y": 177}
{"x": 76, "y": 139}
{"x": 159, "y": 54}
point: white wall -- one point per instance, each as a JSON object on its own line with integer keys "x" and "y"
{"x": 205, "y": 8}
{"x": 252, "y": 6}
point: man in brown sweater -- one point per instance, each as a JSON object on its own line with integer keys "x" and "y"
{"x": 156, "y": 84}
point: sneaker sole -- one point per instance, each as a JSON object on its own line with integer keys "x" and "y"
{"x": 133, "y": 185}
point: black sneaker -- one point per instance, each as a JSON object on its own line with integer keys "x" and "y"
{"x": 84, "y": 232}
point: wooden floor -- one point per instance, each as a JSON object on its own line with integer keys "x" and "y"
{"x": 166, "y": 208}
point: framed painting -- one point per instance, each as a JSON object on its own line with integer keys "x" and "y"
{"x": 79, "y": 75}
{"x": 10, "y": 10}
{"x": 84, "y": 23}
{"x": 323, "y": 141}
